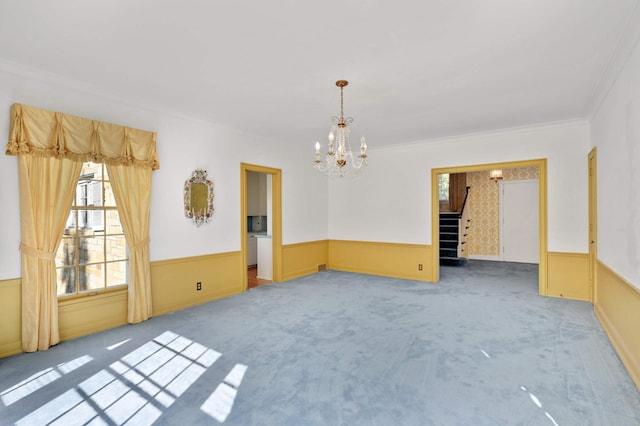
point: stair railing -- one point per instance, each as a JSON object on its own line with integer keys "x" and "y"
{"x": 464, "y": 223}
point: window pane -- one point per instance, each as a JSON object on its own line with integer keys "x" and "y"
{"x": 95, "y": 170}
{"x": 66, "y": 281}
{"x": 91, "y": 249}
{"x": 443, "y": 187}
{"x": 89, "y": 192}
{"x": 84, "y": 218}
{"x": 116, "y": 247}
{"x": 92, "y": 277}
{"x": 90, "y": 219}
{"x": 96, "y": 193}
{"x": 97, "y": 217}
{"x": 82, "y": 193}
{"x": 109, "y": 199}
{"x": 116, "y": 273}
{"x": 113, "y": 222}
{"x": 71, "y": 222}
{"x": 66, "y": 254}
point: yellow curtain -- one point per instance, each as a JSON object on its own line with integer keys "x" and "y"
{"x": 45, "y": 133}
{"x": 47, "y": 186}
{"x": 132, "y": 190}
{"x": 51, "y": 148}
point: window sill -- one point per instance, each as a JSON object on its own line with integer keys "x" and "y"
{"x": 99, "y": 294}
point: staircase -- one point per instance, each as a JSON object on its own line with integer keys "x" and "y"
{"x": 449, "y": 239}
{"x": 453, "y": 239}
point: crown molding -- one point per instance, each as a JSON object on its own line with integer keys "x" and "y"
{"x": 495, "y": 132}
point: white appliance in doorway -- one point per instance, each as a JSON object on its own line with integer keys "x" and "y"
{"x": 519, "y": 221}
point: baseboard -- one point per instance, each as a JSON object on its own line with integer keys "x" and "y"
{"x": 384, "y": 259}
{"x": 492, "y": 257}
{"x": 618, "y": 310}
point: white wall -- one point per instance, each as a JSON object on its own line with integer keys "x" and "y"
{"x": 391, "y": 202}
{"x": 183, "y": 145}
{"x": 615, "y": 131}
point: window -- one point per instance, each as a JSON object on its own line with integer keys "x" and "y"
{"x": 443, "y": 187}
{"x": 93, "y": 253}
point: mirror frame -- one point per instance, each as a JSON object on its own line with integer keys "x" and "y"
{"x": 199, "y": 176}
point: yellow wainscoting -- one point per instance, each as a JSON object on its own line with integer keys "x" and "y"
{"x": 10, "y": 317}
{"x": 618, "y": 310}
{"x": 568, "y": 275}
{"x": 88, "y": 314}
{"x": 303, "y": 258}
{"x": 386, "y": 259}
{"x": 173, "y": 286}
{"x": 174, "y": 281}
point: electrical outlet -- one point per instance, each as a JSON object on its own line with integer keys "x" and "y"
{"x": 419, "y": 266}
{"x": 198, "y": 286}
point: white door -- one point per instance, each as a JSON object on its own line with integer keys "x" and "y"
{"x": 519, "y": 221}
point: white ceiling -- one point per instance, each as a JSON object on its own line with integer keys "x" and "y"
{"x": 417, "y": 69}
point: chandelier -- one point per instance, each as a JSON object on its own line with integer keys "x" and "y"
{"x": 340, "y": 161}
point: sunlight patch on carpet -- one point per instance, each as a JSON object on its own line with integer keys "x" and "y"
{"x": 136, "y": 389}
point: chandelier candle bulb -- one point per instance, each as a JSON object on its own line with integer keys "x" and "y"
{"x": 363, "y": 146}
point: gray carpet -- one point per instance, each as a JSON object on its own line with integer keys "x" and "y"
{"x": 479, "y": 348}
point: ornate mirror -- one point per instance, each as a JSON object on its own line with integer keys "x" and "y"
{"x": 198, "y": 197}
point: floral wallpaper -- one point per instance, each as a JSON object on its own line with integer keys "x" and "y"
{"x": 484, "y": 208}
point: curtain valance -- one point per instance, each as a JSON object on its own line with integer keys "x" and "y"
{"x": 36, "y": 131}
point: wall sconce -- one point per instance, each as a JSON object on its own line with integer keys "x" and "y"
{"x": 495, "y": 175}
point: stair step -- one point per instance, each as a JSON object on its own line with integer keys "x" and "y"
{"x": 453, "y": 261}
{"x": 448, "y": 235}
{"x": 447, "y": 255}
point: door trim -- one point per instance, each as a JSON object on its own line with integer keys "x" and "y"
{"x": 593, "y": 225}
{"x": 542, "y": 211}
{"x": 276, "y": 220}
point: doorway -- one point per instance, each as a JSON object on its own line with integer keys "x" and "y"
{"x": 541, "y": 207}
{"x": 259, "y": 229}
{"x": 260, "y": 224}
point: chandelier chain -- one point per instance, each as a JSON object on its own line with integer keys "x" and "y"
{"x": 342, "y": 104}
